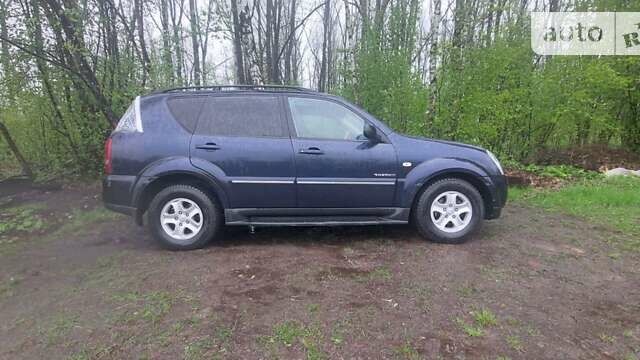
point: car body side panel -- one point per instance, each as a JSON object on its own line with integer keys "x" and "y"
{"x": 256, "y": 172}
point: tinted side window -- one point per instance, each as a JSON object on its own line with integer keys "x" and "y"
{"x": 256, "y": 116}
{"x": 186, "y": 110}
{"x": 321, "y": 119}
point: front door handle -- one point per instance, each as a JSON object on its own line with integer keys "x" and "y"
{"x": 312, "y": 151}
{"x": 210, "y": 146}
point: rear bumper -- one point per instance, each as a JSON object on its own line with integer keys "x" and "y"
{"x": 117, "y": 193}
{"x": 127, "y": 210}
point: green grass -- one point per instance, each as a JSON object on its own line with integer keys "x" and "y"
{"x": 8, "y": 287}
{"x": 514, "y": 342}
{"x": 470, "y": 330}
{"x": 197, "y": 349}
{"x": 292, "y": 333}
{"x": 565, "y": 172}
{"x": 611, "y": 202}
{"x": 21, "y": 218}
{"x": 149, "y": 307}
{"x": 482, "y": 318}
{"x": 381, "y": 273}
{"x": 80, "y": 220}
{"x": 58, "y": 328}
{"x": 406, "y": 351}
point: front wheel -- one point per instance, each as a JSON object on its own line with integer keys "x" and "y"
{"x": 449, "y": 211}
{"x": 183, "y": 217}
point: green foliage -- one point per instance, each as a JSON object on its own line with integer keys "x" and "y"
{"x": 564, "y": 172}
{"x": 502, "y": 96}
{"x": 497, "y": 97}
{"x": 383, "y": 81}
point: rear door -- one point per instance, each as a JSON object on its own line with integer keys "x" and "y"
{"x": 247, "y": 138}
{"x": 337, "y": 167}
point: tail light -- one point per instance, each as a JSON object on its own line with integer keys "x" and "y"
{"x": 131, "y": 121}
{"x": 107, "y": 157}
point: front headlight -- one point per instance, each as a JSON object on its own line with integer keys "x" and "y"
{"x": 495, "y": 161}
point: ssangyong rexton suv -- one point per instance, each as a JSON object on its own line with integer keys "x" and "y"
{"x": 195, "y": 159}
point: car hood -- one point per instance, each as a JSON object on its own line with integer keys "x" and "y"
{"x": 417, "y": 150}
{"x": 445, "y": 142}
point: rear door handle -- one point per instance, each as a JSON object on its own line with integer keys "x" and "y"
{"x": 312, "y": 151}
{"x": 210, "y": 146}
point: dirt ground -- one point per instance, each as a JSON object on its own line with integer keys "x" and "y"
{"x": 83, "y": 283}
{"x": 595, "y": 157}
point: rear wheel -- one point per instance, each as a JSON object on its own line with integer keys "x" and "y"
{"x": 449, "y": 211}
{"x": 183, "y": 217}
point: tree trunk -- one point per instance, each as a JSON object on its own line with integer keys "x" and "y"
{"x": 433, "y": 62}
{"x": 79, "y": 49}
{"x": 459, "y": 22}
{"x": 176, "y": 22}
{"x": 4, "y": 52}
{"x": 275, "y": 61}
{"x": 146, "y": 62}
{"x": 237, "y": 43}
{"x": 489, "y": 23}
{"x": 288, "y": 78}
{"x": 324, "y": 62}
{"x": 194, "y": 41}
{"x": 167, "y": 62}
{"x": 499, "y": 12}
{"x": 26, "y": 168}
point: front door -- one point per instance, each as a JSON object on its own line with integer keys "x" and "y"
{"x": 247, "y": 138}
{"x": 336, "y": 166}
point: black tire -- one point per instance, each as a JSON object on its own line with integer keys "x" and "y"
{"x": 212, "y": 219}
{"x": 423, "y": 220}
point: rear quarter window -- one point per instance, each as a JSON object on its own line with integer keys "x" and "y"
{"x": 252, "y": 116}
{"x": 186, "y": 109}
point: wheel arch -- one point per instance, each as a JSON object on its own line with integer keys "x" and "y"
{"x": 147, "y": 188}
{"x": 418, "y": 180}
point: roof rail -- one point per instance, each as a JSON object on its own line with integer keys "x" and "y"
{"x": 237, "y": 87}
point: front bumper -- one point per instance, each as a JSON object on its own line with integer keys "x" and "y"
{"x": 499, "y": 193}
{"x": 493, "y": 213}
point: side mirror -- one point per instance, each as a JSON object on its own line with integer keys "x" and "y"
{"x": 371, "y": 133}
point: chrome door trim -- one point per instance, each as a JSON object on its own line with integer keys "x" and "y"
{"x": 345, "y": 182}
{"x": 262, "y": 181}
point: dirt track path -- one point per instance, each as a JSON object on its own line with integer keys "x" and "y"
{"x": 533, "y": 285}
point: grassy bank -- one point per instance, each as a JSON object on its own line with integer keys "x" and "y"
{"x": 611, "y": 202}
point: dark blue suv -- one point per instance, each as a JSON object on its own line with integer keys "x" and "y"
{"x": 195, "y": 159}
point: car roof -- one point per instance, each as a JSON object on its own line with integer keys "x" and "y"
{"x": 235, "y": 88}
